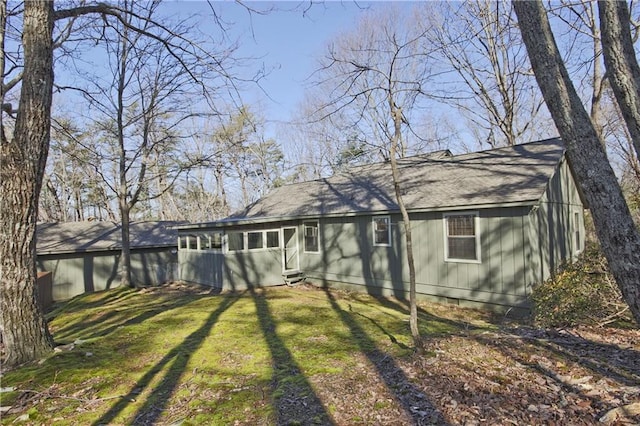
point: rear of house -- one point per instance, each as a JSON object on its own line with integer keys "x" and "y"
{"x": 85, "y": 256}
{"x": 485, "y": 227}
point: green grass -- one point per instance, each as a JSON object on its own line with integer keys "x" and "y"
{"x": 161, "y": 357}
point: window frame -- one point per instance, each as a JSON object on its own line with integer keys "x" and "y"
{"x": 374, "y": 223}
{"x": 245, "y": 240}
{"x": 317, "y": 236}
{"x": 204, "y": 242}
{"x": 476, "y": 236}
{"x": 261, "y": 235}
{"x": 577, "y": 236}
{"x": 266, "y": 238}
{"x": 191, "y": 239}
{"x": 216, "y": 245}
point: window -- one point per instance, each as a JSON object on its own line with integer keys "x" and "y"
{"x": 462, "y": 237}
{"x": 250, "y": 240}
{"x": 192, "y": 242}
{"x": 182, "y": 243}
{"x": 382, "y": 231}
{"x": 216, "y": 240}
{"x": 235, "y": 241}
{"x": 273, "y": 239}
{"x": 577, "y": 236}
{"x": 311, "y": 242}
{"x": 254, "y": 240}
{"x": 205, "y": 242}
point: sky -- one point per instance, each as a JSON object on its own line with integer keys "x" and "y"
{"x": 286, "y": 41}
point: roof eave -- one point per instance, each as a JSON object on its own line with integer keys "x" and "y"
{"x": 271, "y": 219}
{"x": 102, "y": 249}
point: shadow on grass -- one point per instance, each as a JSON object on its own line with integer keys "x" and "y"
{"x": 294, "y": 399}
{"x": 382, "y": 329}
{"x": 102, "y": 298}
{"x": 412, "y": 399}
{"x": 439, "y": 324}
{"x": 178, "y": 357}
{"x": 115, "y": 319}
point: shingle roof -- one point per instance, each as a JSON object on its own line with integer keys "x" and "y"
{"x": 503, "y": 176}
{"x": 74, "y": 237}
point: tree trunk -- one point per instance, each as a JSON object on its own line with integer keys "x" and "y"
{"x": 616, "y": 231}
{"x": 125, "y": 255}
{"x": 622, "y": 66}
{"x": 22, "y": 325}
{"x": 413, "y": 306}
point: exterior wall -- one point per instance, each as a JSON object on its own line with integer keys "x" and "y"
{"x": 235, "y": 270}
{"x": 260, "y": 268}
{"x": 78, "y": 273}
{"x": 519, "y": 247}
{"x": 552, "y": 226}
{"x": 232, "y": 271}
{"x": 348, "y": 255}
{"x": 201, "y": 267}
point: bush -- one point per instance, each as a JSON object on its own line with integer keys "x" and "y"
{"x": 581, "y": 293}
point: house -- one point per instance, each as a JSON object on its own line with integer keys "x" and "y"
{"x": 486, "y": 227}
{"x": 85, "y": 256}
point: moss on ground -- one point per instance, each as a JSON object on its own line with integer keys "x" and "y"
{"x": 162, "y": 357}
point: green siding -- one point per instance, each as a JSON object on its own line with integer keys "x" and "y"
{"x": 256, "y": 268}
{"x": 201, "y": 267}
{"x": 77, "y": 273}
{"x": 551, "y": 226}
{"x": 518, "y": 247}
{"x": 350, "y": 256}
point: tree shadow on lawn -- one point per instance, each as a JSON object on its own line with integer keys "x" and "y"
{"x": 412, "y": 399}
{"x": 424, "y": 315}
{"x": 178, "y": 357}
{"x": 295, "y": 400}
{"x": 101, "y": 298}
{"x": 115, "y": 319}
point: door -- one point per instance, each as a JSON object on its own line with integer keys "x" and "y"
{"x": 290, "y": 259}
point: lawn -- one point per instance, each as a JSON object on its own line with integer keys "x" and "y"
{"x": 303, "y": 355}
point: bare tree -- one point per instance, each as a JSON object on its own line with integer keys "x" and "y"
{"x": 490, "y": 84}
{"x": 582, "y": 42}
{"x": 23, "y": 154}
{"x": 375, "y": 77}
{"x": 319, "y": 144}
{"x": 140, "y": 105}
{"x": 622, "y": 65}
{"x": 615, "y": 228}
{"x": 72, "y": 190}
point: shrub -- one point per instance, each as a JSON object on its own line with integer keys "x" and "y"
{"x": 581, "y": 293}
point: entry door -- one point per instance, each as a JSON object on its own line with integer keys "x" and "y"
{"x": 290, "y": 259}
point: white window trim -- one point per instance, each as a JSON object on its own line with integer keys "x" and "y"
{"x": 245, "y": 239}
{"x": 445, "y": 232}
{"x": 304, "y": 236}
{"x": 226, "y": 242}
{"x": 279, "y": 232}
{"x": 577, "y": 227}
{"x": 189, "y": 238}
{"x": 373, "y": 227}
{"x": 264, "y": 241}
